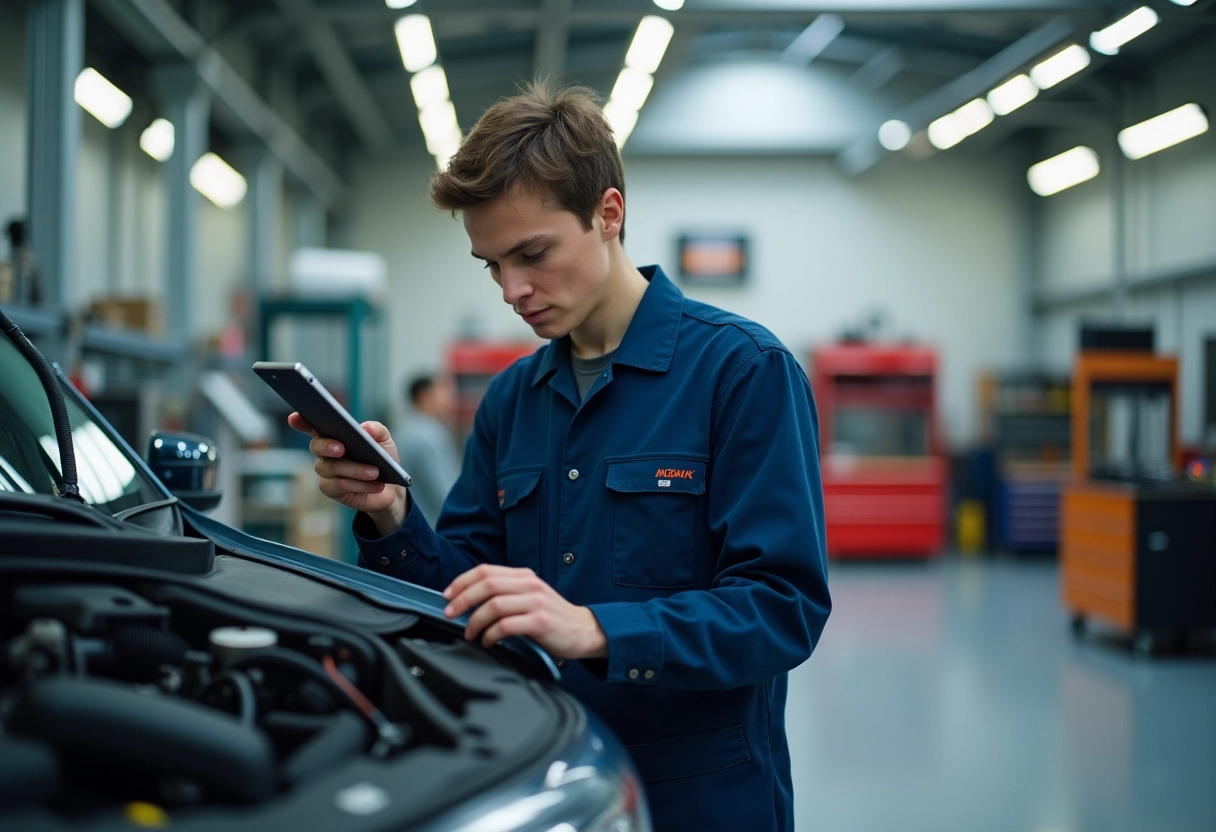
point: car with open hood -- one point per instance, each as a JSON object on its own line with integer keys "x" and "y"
{"x": 161, "y": 669}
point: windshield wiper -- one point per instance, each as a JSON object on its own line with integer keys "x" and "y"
{"x": 67, "y": 484}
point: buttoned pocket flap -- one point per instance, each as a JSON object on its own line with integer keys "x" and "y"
{"x": 514, "y": 486}
{"x": 657, "y": 475}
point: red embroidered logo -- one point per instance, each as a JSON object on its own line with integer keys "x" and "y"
{"x": 674, "y": 473}
{"x": 502, "y": 497}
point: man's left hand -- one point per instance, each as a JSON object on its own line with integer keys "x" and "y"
{"x": 515, "y": 602}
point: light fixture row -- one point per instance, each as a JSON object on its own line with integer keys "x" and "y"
{"x": 636, "y": 78}
{"x": 437, "y": 115}
{"x": 1080, "y": 164}
{"x": 210, "y": 175}
{"x": 428, "y": 84}
{"x": 950, "y": 129}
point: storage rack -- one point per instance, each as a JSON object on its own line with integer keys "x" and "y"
{"x": 1026, "y": 419}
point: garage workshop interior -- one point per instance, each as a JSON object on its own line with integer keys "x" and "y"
{"x": 985, "y": 229}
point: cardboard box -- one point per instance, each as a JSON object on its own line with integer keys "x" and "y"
{"x": 137, "y": 313}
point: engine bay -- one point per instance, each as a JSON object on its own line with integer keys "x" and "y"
{"x": 125, "y": 692}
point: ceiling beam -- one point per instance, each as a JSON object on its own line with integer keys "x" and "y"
{"x": 865, "y": 153}
{"x": 552, "y": 38}
{"x": 706, "y": 12}
{"x": 162, "y": 34}
{"x": 340, "y": 74}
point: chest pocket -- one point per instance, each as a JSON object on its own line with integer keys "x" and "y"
{"x": 658, "y": 520}
{"x": 519, "y": 499}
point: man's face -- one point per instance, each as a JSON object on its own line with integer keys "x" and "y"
{"x": 552, "y": 271}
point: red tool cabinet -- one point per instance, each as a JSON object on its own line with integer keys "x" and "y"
{"x": 884, "y": 471}
{"x": 472, "y": 364}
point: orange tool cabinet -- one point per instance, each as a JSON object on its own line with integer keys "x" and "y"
{"x": 884, "y": 472}
{"x": 1137, "y": 542}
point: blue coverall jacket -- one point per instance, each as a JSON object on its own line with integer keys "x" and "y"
{"x": 681, "y": 502}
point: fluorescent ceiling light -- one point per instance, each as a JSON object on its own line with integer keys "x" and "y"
{"x": 444, "y": 147}
{"x": 622, "y": 120}
{"x": 106, "y": 102}
{"x": 1063, "y": 64}
{"x": 631, "y": 88}
{"x": 952, "y": 128}
{"x": 894, "y": 135}
{"x": 975, "y": 115}
{"x": 1012, "y": 94}
{"x": 443, "y": 143}
{"x": 415, "y": 41}
{"x": 1165, "y": 130}
{"x": 676, "y": 5}
{"x": 1127, "y": 28}
{"x": 1059, "y": 172}
{"x": 439, "y": 125}
{"x": 649, "y": 43}
{"x": 946, "y": 132}
{"x": 215, "y": 179}
{"x": 1183, "y": 2}
{"x": 157, "y": 139}
{"x": 429, "y": 86}
{"x": 399, "y": 4}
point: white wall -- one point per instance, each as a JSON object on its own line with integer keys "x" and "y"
{"x": 934, "y": 245}
{"x": 758, "y": 103}
{"x": 1170, "y": 226}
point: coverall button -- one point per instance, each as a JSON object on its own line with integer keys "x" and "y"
{"x": 633, "y": 673}
{"x": 649, "y": 674}
{"x": 568, "y": 558}
{"x": 404, "y": 554}
{"x": 561, "y": 662}
{"x": 573, "y": 474}
{"x": 385, "y": 561}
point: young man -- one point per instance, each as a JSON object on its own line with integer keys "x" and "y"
{"x": 641, "y": 497}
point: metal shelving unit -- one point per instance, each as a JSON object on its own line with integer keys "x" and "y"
{"x": 358, "y": 379}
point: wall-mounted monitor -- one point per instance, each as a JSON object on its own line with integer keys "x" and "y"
{"x": 710, "y": 259}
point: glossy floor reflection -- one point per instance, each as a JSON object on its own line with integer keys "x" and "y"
{"x": 951, "y": 696}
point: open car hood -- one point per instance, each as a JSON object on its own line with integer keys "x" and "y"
{"x": 381, "y": 589}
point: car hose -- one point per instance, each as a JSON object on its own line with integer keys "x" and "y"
{"x": 388, "y": 734}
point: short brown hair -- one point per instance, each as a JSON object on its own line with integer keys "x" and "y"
{"x": 555, "y": 141}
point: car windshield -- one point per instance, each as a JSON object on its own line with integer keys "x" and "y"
{"x": 29, "y": 455}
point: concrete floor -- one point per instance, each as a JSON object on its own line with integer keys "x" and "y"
{"x": 952, "y": 696}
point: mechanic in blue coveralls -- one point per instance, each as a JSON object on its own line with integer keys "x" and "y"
{"x": 641, "y": 496}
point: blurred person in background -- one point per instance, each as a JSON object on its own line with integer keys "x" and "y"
{"x": 426, "y": 443}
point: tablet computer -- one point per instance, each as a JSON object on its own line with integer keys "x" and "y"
{"x": 297, "y": 386}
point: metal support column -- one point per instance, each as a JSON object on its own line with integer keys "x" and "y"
{"x": 1118, "y": 185}
{"x": 114, "y": 205}
{"x": 54, "y": 57}
{"x": 265, "y": 212}
{"x": 311, "y": 221}
{"x": 1028, "y": 323}
{"x": 187, "y": 105}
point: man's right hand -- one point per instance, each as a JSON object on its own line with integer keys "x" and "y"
{"x": 354, "y": 484}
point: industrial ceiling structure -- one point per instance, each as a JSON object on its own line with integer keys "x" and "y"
{"x": 321, "y": 80}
